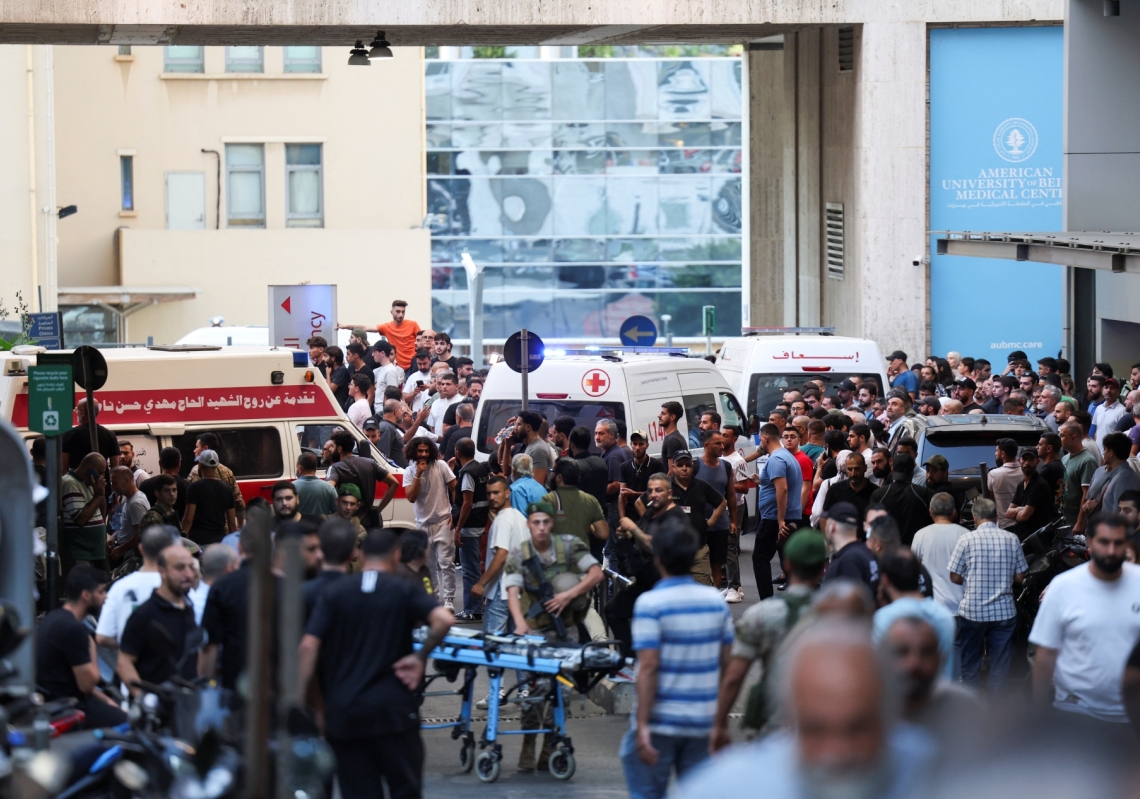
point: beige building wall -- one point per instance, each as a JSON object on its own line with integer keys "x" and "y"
{"x": 369, "y": 121}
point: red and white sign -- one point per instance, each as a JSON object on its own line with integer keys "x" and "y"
{"x": 595, "y": 382}
{"x": 297, "y": 313}
{"x": 201, "y": 405}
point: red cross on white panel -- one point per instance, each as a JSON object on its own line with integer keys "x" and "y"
{"x": 595, "y": 382}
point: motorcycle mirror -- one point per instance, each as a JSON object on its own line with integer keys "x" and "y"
{"x": 131, "y": 775}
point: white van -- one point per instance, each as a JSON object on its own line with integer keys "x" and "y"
{"x": 761, "y": 367}
{"x": 266, "y": 405}
{"x": 625, "y": 386}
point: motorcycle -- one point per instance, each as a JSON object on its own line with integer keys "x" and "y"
{"x": 1049, "y": 551}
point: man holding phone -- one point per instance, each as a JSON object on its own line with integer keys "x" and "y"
{"x": 418, "y": 382}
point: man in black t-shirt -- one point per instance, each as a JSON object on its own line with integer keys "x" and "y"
{"x": 161, "y": 638}
{"x": 635, "y": 474}
{"x": 364, "y": 473}
{"x": 66, "y": 666}
{"x": 224, "y": 618}
{"x": 169, "y": 462}
{"x": 1033, "y": 502}
{"x": 338, "y": 375}
{"x": 338, "y": 550}
{"x": 852, "y": 559}
{"x": 1049, "y": 464}
{"x": 76, "y": 443}
{"x": 358, "y": 643}
{"x": 209, "y": 504}
{"x": 673, "y": 441}
{"x": 634, "y": 552}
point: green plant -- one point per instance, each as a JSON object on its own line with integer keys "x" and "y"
{"x": 490, "y": 51}
{"x": 24, "y": 336}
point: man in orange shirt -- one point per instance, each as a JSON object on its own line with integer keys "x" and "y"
{"x": 401, "y": 333}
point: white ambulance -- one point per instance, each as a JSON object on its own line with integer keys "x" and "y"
{"x": 765, "y": 362}
{"x": 266, "y": 405}
{"x": 623, "y": 385}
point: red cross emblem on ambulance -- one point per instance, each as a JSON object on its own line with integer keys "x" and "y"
{"x": 595, "y": 382}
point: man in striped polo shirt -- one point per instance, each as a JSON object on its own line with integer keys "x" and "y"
{"x": 682, "y": 632}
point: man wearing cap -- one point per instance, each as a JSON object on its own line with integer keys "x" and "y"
{"x": 695, "y": 497}
{"x": 209, "y": 504}
{"x": 907, "y": 503}
{"x": 936, "y": 477}
{"x": 900, "y": 374}
{"x": 928, "y": 406}
{"x": 852, "y": 560}
{"x": 964, "y": 388}
{"x": 845, "y": 392}
{"x": 1109, "y": 413}
{"x": 563, "y": 563}
{"x": 761, "y": 630}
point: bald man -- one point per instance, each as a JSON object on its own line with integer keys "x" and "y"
{"x": 83, "y": 497}
{"x": 843, "y": 739}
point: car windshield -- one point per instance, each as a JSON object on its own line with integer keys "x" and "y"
{"x": 766, "y": 391}
{"x": 965, "y": 449}
{"x": 496, "y": 413}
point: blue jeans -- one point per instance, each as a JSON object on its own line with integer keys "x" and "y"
{"x": 496, "y": 616}
{"x": 977, "y": 637}
{"x": 673, "y": 752}
{"x": 472, "y": 570}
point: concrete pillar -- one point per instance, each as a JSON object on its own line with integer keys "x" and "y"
{"x": 890, "y": 185}
{"x": 770, "y": 117}
{"x": 808, "y": 223}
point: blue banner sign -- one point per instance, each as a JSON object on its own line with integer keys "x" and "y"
{"x": 995, "y": 165}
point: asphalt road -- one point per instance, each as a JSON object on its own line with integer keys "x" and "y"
{"x": 596, "y": 737}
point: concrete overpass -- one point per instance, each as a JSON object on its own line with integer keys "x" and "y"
{"x": 837, "y": 108}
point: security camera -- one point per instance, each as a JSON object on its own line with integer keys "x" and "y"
{"x": 919, "y": 261}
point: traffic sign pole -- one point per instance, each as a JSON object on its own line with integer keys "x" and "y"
{"x": 92, "y": 430}
{"x": 524, "y": 340}
{"x": 54, "y": 456}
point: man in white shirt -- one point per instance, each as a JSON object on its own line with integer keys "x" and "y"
{"x": 360, "y": 409}
{"x": 427, "y": 483}
{"x": 127, "y": 593}
{"x": 1004, "y": 480}
{"x": 448, "y": 386}
{"x": 1086, "y": 628}
{"x": 934, "y": 544}
{"x": 508, "y": 531}
{"x": 1109, "y": 413}
{"x": 387, "y": 374}
{"x": 418, "y": 385}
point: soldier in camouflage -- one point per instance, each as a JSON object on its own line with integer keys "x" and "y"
{"x": 571, "y": 572}
{"x": 761, "y": 630}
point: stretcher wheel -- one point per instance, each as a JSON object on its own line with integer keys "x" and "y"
{"x": 487, "y": 767}
{"x": 562, "y": 765}
{"x": 467, "y": 756}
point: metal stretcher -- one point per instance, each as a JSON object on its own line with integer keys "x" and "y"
{"x": 575, "y": 666}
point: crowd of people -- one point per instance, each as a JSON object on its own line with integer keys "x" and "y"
{"x": 886, "y": 626}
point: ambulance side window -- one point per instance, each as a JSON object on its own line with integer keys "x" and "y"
{"x": 311, "y": 437}
{"x": 249, "y": 452}
{"x": 695, "y": 406}
{"x": 730, "y": 412}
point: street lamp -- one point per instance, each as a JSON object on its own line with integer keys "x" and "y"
{"x": 475, "y": 306}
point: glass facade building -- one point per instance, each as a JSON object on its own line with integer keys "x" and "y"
{"x": 612, "y": 184}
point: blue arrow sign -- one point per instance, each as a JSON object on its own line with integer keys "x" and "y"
{"x": 638, "y": 331}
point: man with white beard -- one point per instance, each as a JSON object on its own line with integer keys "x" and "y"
{"x": 842, "y": 741}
